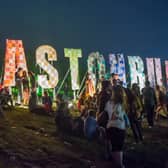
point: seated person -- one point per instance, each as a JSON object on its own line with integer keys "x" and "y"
{"x": 47, "y": 102}
{"x": 63, "y": 119}
{"x": 59, "y": 100}
{"x": 33, "y": 105}
{"x": 33, "y": 101}
{"x": 5, "y": 97}
{"x": 90, "y": 125}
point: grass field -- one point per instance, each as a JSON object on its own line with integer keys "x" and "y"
{"x": 32, "y": 141}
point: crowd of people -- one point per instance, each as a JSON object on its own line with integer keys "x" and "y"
{"x": 25, "y": 84}
{"x": 108, "y": 113}
{"x": 105, "y": 112}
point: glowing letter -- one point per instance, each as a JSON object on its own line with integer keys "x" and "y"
{"x": 154, "y": 71}
{"x": 74, "y": 54}
{"x": 151, "y": 71}
{"x": 41, "y": 52}
{"x": 14, "y": 58}
{"x": 117, "y": 63}
{"x": 136, "y": 70}
{"x": 158, "y": 71}
{"x": 96, "y": 63}
{"x": 166, "y": 66}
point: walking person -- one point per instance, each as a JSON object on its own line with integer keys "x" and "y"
{"x": 161, "y": 103}
{"x": 149, "y": 100}
{"x": 102, "y": 99}
{"x": 116, "y": 126}
{"x": 102, "y": 116}
{"x": 136, "y": 113}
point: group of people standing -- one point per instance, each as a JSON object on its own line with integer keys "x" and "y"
{"x": 118, "y": 108}
{"x": 27, "y": 93}
{"x": 106, "y": 113}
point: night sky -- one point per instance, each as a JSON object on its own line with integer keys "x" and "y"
{"x": 128, "y": 26}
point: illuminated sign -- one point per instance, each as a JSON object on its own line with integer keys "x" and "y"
{"x": 154, "y": 71}
{"x": 136, "y": 67}
{"x": 158, "y": 71}
{"x": 96, "y": 64}
{"x": 41, "y": 53}
{"x": 14, "y": 59}
{"x": 73, "y": 55}
{"x": 150, "y": 71}
{"x": 117, "y": 66}
{"x": 48, "y": 78}
{"x": 166, "y": 67}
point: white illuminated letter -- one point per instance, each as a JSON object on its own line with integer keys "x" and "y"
{"x": 50, "y": 52}
{"x": 96, "y": 64}
{"x": 136, "y": 66}
{"x": 166, "y": 68}
{"x": 74, "y": 54}
{"x": 117, "y": 66}
{"x": 154, "y": 71}
{"x": 151, "y": 71}
{"x": 158, "y": 71}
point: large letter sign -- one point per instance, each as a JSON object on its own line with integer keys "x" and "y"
{"x": 117, "y": 66}
{"x": 166, "y": 66}
{"x": 154, "y": 71}
{"x": 14, "y": 59}
{"x": 158, "y": 71}
{"x": 136, "y": 70}
{"x": 96, "y": 63}
{"x": 151, "y": 71}
{"x": 73, "y": 55}
{"x": 41, "y": 52}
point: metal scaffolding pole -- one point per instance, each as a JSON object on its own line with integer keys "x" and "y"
{"x": 65, "y": 77}
{"x": 81, "y": 85}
